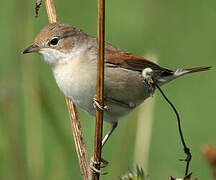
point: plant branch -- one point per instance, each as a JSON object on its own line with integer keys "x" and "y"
{"x": 100, "y": 89}
{"x": 75, "y": 122}
{"x": 51, "y": 11}
{"x": 78, "y": 139}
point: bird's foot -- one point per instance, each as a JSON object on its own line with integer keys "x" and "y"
{"x": 103, "y": 163}
{"x": 96, "y": 104}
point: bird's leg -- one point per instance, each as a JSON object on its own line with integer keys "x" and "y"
{"x": 96, "y": 104}
{"x": 106, "y": 137}
{"x": 108, "y": 134}
{"x": 103, "y": 161}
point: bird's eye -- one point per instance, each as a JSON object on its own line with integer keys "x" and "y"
{"x": 54, "y": 41}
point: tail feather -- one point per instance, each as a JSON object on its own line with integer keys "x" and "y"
{"x": 180, "y": 72}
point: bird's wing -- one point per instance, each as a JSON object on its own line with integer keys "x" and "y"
{"x": 116, "y": 57}
{"x": 130, "y": 61}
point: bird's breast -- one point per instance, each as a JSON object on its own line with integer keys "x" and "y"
{"x": 77, "y": 81}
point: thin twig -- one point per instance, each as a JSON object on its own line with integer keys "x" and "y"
{"x": 186, "y": 148}
{"x": 100, "y": 89}
{"x": 37, "y": 7}
{"x": 75, "y": 122}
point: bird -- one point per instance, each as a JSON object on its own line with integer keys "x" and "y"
{"x": 128, "y": 78}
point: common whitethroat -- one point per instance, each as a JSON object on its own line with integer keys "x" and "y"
{"x": 72, "y": 56}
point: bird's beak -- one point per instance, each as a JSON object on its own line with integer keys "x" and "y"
{"x": 32, "y": 48}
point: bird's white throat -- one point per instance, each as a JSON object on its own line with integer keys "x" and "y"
{"x": 53, "y": 56}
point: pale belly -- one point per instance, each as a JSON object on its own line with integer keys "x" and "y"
{"x": 123, "y": 89}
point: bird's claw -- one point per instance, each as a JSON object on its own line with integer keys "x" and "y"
{"x": 103, "y": 163}
{"x": 96, "y": 104}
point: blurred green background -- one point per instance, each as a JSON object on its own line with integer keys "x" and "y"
{"x": 35, "y": 134}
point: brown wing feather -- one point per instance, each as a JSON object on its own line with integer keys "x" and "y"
{"x": 120, "y": 58}
{"x": 130, "y": 61}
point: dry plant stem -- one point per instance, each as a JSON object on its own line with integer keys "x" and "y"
{"x": 75, "y": 122}
{"x": 100, "y": 89}
{"x": 51, "y": 11}
{"x": 78, "y": 138}
{"x": 37, "y": 7}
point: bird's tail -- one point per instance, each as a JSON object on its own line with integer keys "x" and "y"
{"x": 180, "y": 72}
